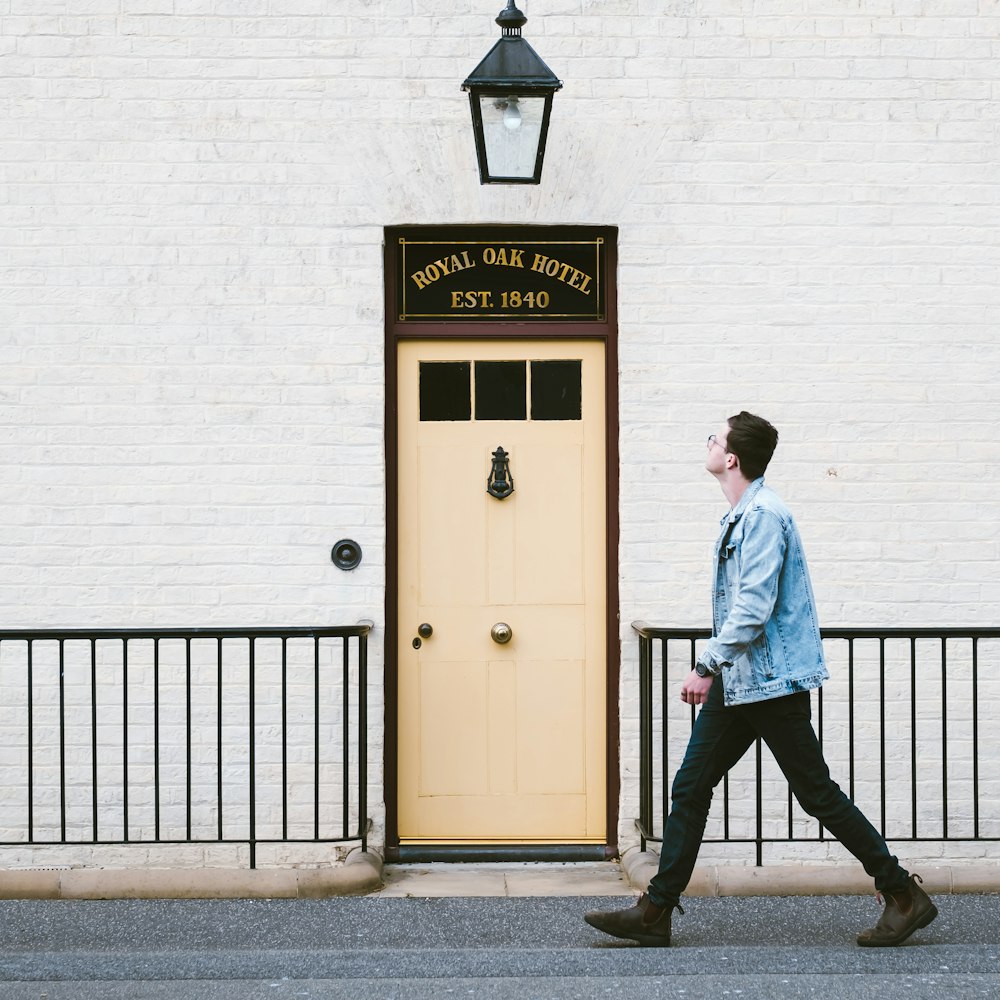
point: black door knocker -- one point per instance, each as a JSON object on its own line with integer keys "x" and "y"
{"x": 500, "y": 483}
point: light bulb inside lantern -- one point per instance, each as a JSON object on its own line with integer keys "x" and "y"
{"x": 512, "y": 115}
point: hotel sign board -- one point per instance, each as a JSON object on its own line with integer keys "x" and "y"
{"x": 530, "y": 274}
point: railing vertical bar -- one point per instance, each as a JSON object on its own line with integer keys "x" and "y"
{"x": 93, "y": 740}
{"x": 975, "y": 737}
{"x": 253, "y": 750}
{"x": 791, "y": 823}
{"x": 125, "y": 740}
{"x": 363, "y": 738}
{"x": 881, "y": 735}
{"x": 346, "y": 764}
{"x": 664, "y": 804}
{"x": 664, "y": 734}
{"x": 316, "y": 737}
{"x": 31, "y": 741}
{"x": 62, "y": 742}
{"x": 642, "y": 742}
{"x": 219, "y": 732}
{"x": 819, "y": 713}
{"x": 850, "y": 718}
{"x": 725, "y": 805}
{"x": 664, "y": 750}
{"x": 914, "y": 788}
{"x": 645, "y": 739}
{"x": 156, "y": 738}
{"x": 944, "y": 735}
{"x": 760, "y": 807}
{"x": 189, "y": 770}
{"x": 658, "y": 807}
{"x": 284, "y": 737}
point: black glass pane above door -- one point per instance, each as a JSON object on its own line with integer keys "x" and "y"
{"x": 445, "y": 390}
{"x": 555, "y": 390}
{"x": 501, "y": 389}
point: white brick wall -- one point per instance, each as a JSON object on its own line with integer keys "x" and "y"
{"x": 191, "y": 201}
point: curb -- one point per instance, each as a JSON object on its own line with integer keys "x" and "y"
{"x": 361, "y": 873}
{"x": 805, "y": 880}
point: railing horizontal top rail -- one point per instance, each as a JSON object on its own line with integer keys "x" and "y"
{"x": 922, "y": 632}
{"x": 305, "y": 632}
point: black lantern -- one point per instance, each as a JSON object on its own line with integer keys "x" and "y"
{"x": 511, "y": 96}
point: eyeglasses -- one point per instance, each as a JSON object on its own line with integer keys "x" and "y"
{"x": 713, "y": 439}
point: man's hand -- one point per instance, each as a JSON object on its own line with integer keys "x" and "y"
{"x": 695, "y": 689}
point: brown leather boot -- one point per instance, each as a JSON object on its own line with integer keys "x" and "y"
{"x": 644, "y": 922}
{"x": 904, "y": 913}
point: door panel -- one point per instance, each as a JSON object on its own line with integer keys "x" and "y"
{"x": 556, "y": 557}
{"x": 502, "y": 742}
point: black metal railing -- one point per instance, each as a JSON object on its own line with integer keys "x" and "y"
{"x": 900, "y": 721}
{"x": 184, "y": 736}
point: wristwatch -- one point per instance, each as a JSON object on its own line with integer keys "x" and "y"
{"x": 702, "y": 671}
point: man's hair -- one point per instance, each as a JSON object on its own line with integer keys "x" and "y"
{"x": 752, "y": 440}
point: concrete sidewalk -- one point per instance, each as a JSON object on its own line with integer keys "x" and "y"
{"x": 604, "y": 878}
{"x": 364, "y": 873}
{"x": 632, "y": 875}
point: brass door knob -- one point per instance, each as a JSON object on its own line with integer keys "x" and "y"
{"x": 501, "y": 633}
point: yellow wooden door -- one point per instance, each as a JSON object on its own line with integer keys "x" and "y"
{"x": 501, "y": 742}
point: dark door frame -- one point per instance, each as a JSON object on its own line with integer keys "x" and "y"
{"x": 605, "y": 331}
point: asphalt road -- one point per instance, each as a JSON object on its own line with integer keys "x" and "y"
{"x": 495, "y": 948}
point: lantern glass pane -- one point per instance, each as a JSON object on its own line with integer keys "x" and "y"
{"x": 512, "y": 129}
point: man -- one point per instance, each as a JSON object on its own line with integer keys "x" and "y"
{"x": 753, "y": 679}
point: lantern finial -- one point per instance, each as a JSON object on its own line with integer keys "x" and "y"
{"x": 511, "y": 20}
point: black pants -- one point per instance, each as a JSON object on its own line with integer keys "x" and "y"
{"x": 721, "y": 736}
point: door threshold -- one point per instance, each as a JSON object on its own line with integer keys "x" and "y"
{"x": 465, "y": 853}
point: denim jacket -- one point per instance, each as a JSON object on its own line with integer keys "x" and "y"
{"x": 765, "y": 631}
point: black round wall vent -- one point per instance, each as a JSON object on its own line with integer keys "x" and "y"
{"x": 346, "y": 554}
